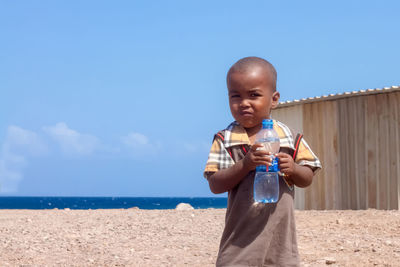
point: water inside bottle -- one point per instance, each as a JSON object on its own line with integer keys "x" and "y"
{"x": 266, "y": 187}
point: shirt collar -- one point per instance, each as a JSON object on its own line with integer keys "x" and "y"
{"x": 235, "y": 135}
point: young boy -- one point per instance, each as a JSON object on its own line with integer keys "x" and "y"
{"x": 256, "y": 234}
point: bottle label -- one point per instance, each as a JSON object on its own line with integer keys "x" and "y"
{"x": 272, "y": 168}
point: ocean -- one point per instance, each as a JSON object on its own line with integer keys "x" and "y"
{"x": 85, "y": 203}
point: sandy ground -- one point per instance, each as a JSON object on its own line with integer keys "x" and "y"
{"x": 136, "y": 237}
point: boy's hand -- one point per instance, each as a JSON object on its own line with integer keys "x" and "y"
{"x": 286, "y": 164}
{"x": 256, "y": 157}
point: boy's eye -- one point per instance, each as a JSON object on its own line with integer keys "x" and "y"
{"x": 234, "y": 96}
{"x": 254, "y": 94}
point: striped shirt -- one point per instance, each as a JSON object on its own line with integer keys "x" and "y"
{"x": 235, "y": 135}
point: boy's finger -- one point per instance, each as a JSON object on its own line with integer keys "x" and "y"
{"x": 262, "y": 163}
{"x": 261, "y": 153}
{"x": 283, "y": 166}
{"x": 263, "y": 159}
{"x": 281, "y": 155}
{"x": 262, "y": 156}
{"x": 255, "y": 146}
{"x": 283, "y": 160}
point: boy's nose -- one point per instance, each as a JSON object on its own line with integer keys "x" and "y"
{"x": 244, "y": 104}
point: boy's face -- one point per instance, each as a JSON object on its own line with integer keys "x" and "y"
{"x": 251, "y": 97}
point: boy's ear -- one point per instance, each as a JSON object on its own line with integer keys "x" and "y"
{"x": 275, "y": 99}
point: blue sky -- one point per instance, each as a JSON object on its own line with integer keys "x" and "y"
{"x": 122, "y": 98}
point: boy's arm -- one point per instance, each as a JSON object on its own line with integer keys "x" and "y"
{"x": 299, "y": 175}
{"x": 303, "y": 176}
{"x": 226, "y": 179}
{"x": 302, "y": 171}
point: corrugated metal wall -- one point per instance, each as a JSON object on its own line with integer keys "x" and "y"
{"x": 357, "y": 139}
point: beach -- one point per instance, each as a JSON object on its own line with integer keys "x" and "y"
{"x": 134, "y": 237}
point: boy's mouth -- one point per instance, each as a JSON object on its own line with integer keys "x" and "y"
{"x": 246, "y": 113}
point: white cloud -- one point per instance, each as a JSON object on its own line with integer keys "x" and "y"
{"x": 140, "y": 144}
{"x": 71, "y": 141}
{"x": 18, "y": 145}
{"x": 135, "y": 140}
{"x": 9, "y": 179}
{"x": 21, "y": 139}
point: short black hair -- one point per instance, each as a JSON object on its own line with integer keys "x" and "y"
{"x": 247, "y": 63}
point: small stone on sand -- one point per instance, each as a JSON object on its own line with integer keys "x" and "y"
{"x": 184, "y": 206}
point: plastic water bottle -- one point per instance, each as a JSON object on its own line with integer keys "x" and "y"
{"x": 266, "y": 182}
{"x": 268, "y": 137}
